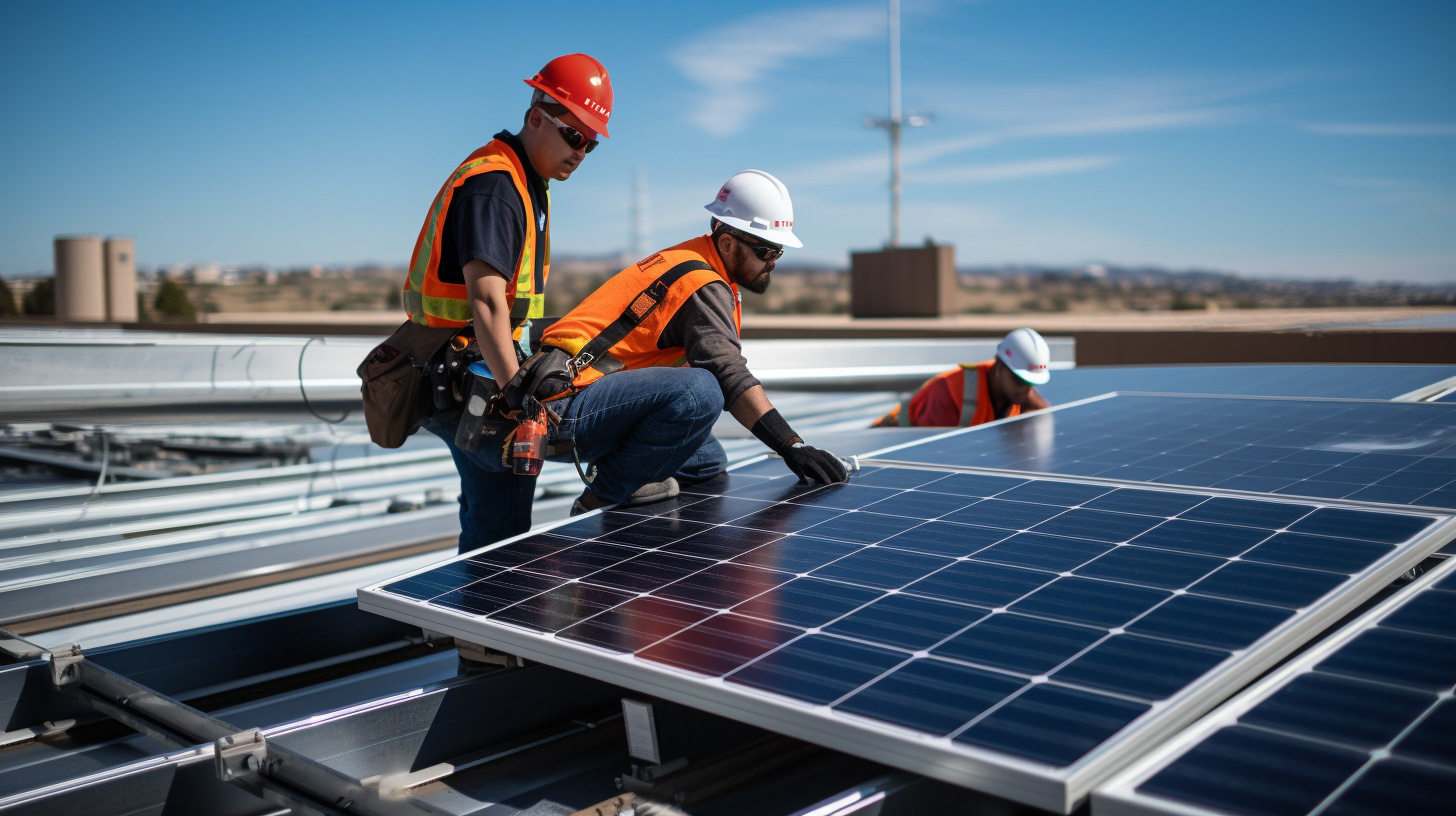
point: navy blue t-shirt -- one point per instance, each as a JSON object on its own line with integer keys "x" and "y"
{"x": 486, "y": 221}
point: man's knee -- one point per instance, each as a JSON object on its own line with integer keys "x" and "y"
{"x": 707, "y": 396}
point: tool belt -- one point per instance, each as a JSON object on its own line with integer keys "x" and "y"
{"x": 395, "y": 403}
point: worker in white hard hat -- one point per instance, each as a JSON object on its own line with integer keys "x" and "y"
{"x": 971, "y": 394}
{"x": 649, "y": 361}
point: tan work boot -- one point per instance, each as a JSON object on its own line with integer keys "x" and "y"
{"x": 646, "y": 494}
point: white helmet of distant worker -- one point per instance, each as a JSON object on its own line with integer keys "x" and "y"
{"x": 757, "y": 203}
{"x": 1025, "y": 352}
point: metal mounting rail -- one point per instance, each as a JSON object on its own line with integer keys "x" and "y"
{"x": 245, "y": 759}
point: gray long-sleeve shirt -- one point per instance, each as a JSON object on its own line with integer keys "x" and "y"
{"x": 704, "y": 328}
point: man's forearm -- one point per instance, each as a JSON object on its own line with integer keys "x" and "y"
{"x": 493, "y": 333}
{"x": 750, "y": 407}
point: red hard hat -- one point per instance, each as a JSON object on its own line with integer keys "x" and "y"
{"x": 582, "y": 85}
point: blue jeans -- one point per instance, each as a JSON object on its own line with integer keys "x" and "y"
{"x": 635, "y": 426}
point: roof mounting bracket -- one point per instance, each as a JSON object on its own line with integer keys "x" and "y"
{"x": 66, "y": 665}
{"x": 241, "y": 755}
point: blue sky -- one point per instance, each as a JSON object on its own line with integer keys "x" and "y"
{"x": 1295, "y": 138}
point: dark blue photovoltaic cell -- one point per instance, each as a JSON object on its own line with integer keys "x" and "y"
{"x": 635, "y": 625}
{"x": 1210, "y": 622}
{"x": 797, "y": 554}
{"x": 818, "y": 668}
{"x": 932, "y": 695}
{"x": 1046, "y": 552}
{"x": 1318, "y": 552}
{"x": 1015, "y": 642}
{"x": 1248, "y": 771}
{"x": 1433, "y": 612}
{"x": 972, "y": 484}
{"x": 907, "y": 622}
{"x": 1145, "y": 502}
{"x": 1320, "y": 448}
{"x": 1386, "y": 528}
{"x": 1283, "y": 380}
{"x": 1430, "y": 740}
{"x": 1098, "y": 525}
{"x": 988, "y": 585}
{"x": 1268, "y": 584}
{"x": 560, "y": 607}
{"x": 1390, "y": 656}
{"x": 943, "y": 538}
{"x": 901, "y": 478}
{"x": 1394, "y": 786}
{"x": 882, "y": 568}
{"x": 502, "y": 590}
{"x": 807, "y": 602}
{"x": 1351, "y": 712}
{"x": 1200, "y": 538}
{"x": 719, "y": 644}
{"x": 1156, "y": 568}
{"x": 845, "y": 496}
{"x": 1248, "y": 512}
{"x": 1084, "y": 600}
{"x": 721, "y": 543}
{"x": 1008, "y": 515}
{"x": 1052, "y": 724}
{"x": 862, "y": 528}
{"x": 1066, "y": 494}
{"x": 920, "y": 504}
{"x": 522, "y": 551}
{"x": 1141, "y": 667}
{"x": 723, "y": 585}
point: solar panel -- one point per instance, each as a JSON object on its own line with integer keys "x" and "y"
{"x": 1329, "y": 381}
{"x": 1390, "y": 453}
{"x": 1361, "y": 723}
{"x": 999, "y": 633}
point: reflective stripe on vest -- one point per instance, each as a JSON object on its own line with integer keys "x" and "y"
{"x": 430, "y": 301}
{"x": 639, "y": 348}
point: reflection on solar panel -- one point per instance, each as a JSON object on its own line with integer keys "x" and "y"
{"x": 1330, "y": 381}
{"x": 995, "y": 632}
{"x": 1276, "y": 749}
{"x": 1396, "y": 453}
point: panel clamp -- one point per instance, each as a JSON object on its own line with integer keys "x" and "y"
{"x": 241, "y": 755}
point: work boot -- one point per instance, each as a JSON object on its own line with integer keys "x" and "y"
{"x": 654, "y": 492}
{"x": 646, "y": 494}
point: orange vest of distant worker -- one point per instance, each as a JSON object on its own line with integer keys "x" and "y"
{"x": 432, "y": 302}
{"x": 972, "y": 397}
{"x": 639, "y": 348}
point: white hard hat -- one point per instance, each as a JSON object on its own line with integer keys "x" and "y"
{"x": 1025, "y": 352}
{"x": 758, "y": 204}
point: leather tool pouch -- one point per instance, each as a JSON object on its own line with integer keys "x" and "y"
{"x": 543, "y": 375}
{"x": 394, "y": 405}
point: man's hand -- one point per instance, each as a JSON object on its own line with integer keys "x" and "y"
{"x": 541, "y": 377}
{"x": 813, "y": 464}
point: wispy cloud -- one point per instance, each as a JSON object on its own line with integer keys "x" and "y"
{"x": 1009, "y": 171}
{"x": 1377, "y": 129}
{"x": 732, "y": 63}
{"x": 1402, "y": 192}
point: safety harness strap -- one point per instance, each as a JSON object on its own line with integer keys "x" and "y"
{"x": 637, "y": 311}
{"x": 970, "y": 393}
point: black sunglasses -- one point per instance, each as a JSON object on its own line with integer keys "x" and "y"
{"x": 763, "y": 250}
{"x": 573, "y": 137}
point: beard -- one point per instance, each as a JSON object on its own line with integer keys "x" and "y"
{"x": 757, "y": 285}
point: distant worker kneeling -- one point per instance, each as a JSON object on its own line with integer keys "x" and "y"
{"x": 973, "y": 393}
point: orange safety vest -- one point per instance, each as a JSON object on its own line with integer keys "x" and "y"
{"x": 432, "y": 302}
{"x": 972, "y": 396}
{"x": 639, "y": 348}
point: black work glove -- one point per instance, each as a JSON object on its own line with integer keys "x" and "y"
{"x": 809, "y": 464}
{"x": 813, "y": 464}
{"x": 542, "y": 376}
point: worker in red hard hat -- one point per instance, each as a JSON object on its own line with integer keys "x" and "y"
{"x": 482, "y": 259}
{"x": 973, "y": 393}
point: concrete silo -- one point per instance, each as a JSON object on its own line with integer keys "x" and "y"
{"x": 80, "y": 278}
{"x": 121, "y": 288}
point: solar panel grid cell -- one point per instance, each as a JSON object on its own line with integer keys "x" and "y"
{"x": 888, "y": 601}
{"x": 1362, "y": 726}
{"x": 1402, "y": 453}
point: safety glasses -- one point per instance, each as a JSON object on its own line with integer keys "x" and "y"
{"x": 763, "y": 250}
{"x": 573, "y": 137}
